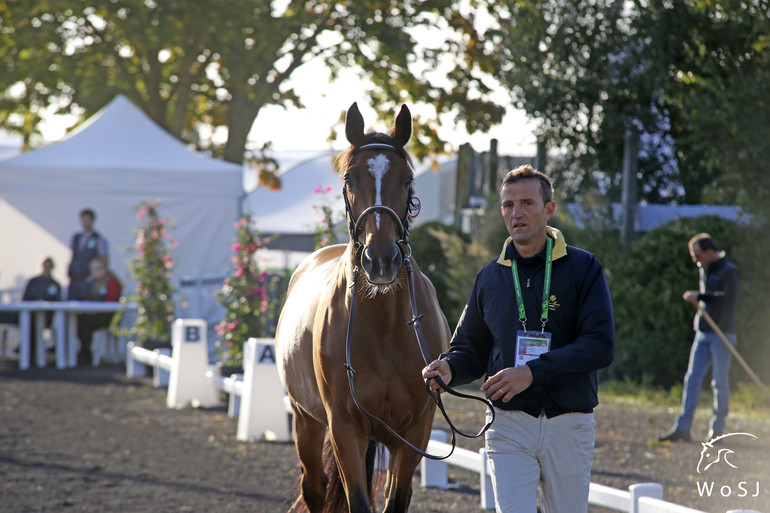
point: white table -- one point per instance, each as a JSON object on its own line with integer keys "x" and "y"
{"x": 65, "y": 324}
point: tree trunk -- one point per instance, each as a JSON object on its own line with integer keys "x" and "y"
{"x": 241, "y": 113}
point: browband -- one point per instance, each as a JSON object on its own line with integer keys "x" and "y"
{"x": 376, "y": 146}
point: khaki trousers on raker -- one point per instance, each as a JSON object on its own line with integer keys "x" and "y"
{"x": 555, "y": 454}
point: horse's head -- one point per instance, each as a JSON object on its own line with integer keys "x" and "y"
{"x": 378, "y": 179}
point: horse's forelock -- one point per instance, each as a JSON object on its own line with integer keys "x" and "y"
{"x": 343, "y": 160}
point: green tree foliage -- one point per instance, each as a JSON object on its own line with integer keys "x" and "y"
{"x": 686, "y": 74}
{"x": 654, "y": 324}
{"x": 196, "y": 67}
{"x": 438, "y": 250}
{"x": 715, "y": 54}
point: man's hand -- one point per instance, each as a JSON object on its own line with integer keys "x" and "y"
{"x": 437, "y": 368}
{"x": 691, "y": 296}
{"x": 507, "y": 383}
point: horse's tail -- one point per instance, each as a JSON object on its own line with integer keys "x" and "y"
{"x": 336, "y": 500}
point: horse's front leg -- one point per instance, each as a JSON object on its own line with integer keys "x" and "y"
{"x": 401, "y": 467}
{"x": 309, "y": 442}
{"x": 350, "y": 447}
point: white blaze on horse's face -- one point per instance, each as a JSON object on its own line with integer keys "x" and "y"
{"x": 378, "y": 166}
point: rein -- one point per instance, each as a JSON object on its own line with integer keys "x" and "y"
{"x": 354, "y": 227}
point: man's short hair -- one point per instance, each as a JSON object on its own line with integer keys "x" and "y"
{"x": 527, "y": 172}
{"x": 704, "y": 242}
{"x": 88, "y": 212}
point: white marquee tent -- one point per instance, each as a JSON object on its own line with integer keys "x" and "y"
{"x": 111, "y": 163}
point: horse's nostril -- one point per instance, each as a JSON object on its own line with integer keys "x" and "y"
{"x": 366, "y": 261}
{"x": 396, "y": 261}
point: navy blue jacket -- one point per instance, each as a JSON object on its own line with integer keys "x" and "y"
{"x": 722, "y": 283}
{"x": 580, "y": 320}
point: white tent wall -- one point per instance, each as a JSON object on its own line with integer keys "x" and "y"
{"x": 110, "y": 164}
{"x": 203, "y": 228}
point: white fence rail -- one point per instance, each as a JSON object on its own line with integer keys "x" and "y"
{"x": 639, "y": 498}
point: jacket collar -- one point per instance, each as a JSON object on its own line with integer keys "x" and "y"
{"x": 559, "y": 247}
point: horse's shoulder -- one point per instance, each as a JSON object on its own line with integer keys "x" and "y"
{"x": 316, "y": 260}
{"x": 327, "y": 253}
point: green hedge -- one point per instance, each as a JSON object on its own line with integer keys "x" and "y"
{"x": 654, "y": 325}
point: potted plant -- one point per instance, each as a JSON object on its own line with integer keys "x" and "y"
{"x": 246, "y": 295}
{"x": 151, "y": 269}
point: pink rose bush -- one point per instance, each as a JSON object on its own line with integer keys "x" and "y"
{"x": 246, "y": 296}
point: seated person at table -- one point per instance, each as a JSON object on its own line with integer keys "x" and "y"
{"x": 102, "y": 286}
{"x": 39, "y": 288}
{"x": 43, "y": 288}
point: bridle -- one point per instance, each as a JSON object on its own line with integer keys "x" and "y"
{"x": 354, "y": 226}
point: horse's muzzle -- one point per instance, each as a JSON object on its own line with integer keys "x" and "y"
{"x": 381, "y": 265}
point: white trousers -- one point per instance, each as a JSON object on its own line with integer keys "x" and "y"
{"x": 553, "y": 454}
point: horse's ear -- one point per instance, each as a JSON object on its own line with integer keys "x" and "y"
{"x": 354, "y": 125}
{"x": 402, "y": 130}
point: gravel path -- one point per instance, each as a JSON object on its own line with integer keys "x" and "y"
{"x": 93, "y": 440}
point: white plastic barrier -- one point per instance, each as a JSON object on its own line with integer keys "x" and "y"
{"x": 263, "y": 410}
{"x": 256, "y": 397}
{"x": 189, "y": 363}
{"x": 434, "y": 473}
{"x": 139, "y": 358}
{"x": 640, "y": 498}
{"x": 232, "y": 385}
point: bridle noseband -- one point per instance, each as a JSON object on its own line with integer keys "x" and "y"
{"x": 354, "y": 227}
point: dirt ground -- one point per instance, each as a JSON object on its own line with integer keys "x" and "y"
{"x": 93, "y": 440}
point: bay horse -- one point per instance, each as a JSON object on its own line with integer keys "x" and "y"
{"x": 345, "y": 345}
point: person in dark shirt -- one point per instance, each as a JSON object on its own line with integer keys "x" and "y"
{"x": 85, "y": 246}
{"x": 39, "y": 288}
{"x": 43, "y": 288}
{"x": 539, "y": 325}
{"x": 720, "y": 284}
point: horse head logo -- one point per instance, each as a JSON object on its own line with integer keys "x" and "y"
{"x": 710, "y": 455}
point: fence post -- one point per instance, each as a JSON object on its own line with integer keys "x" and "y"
{"x": 134, "y": 369}
{"x": 189, "y": 363}
{"x": 160, "y": 376}
{"x": 263, "y": 411}
{"x": 25, "y": 340}
{"x": 639, "y": 490}
{"x": 434, "y": 473}
{"x": 485, "y": 482}
{"x": 628, "y": 192}
{"x": 234, "y": 398}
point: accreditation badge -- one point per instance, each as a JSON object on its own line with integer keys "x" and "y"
{"x": 530, "y": 345}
